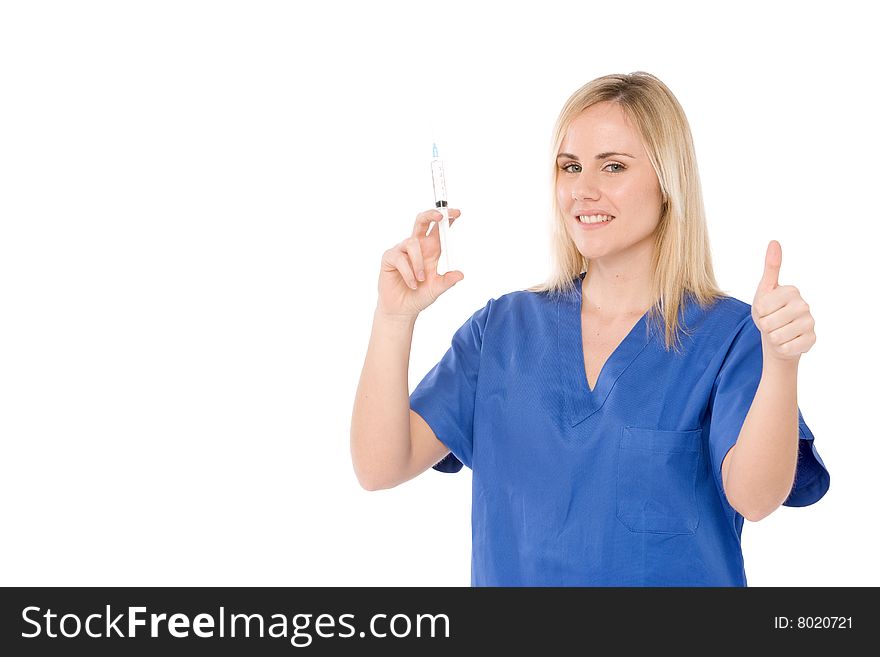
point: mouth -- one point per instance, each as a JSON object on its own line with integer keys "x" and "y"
{"x": 595, "y": 219}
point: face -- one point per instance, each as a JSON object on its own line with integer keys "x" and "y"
{"x": 623, "y": 185}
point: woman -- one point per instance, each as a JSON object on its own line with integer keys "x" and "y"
{"x": 624, "y": 418}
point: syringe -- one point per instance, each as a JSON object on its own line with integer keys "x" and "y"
{"x": 440, "y": 202}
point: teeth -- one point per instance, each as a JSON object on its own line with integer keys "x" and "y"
{"x": 595, "y": 219}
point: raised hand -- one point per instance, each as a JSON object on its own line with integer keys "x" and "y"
{"x": 408, "y": 279}
{"x": 781, "y": 314}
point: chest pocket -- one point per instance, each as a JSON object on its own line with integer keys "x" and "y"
{"x": 657, "y": 480}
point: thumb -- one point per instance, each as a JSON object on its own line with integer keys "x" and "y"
{"x": 449, "y": 279}
{"x": 772, "y": 263}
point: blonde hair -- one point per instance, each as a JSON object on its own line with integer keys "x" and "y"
{"x": 682, "y": 261}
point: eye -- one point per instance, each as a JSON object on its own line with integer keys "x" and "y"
{"x": 567, "y": 167}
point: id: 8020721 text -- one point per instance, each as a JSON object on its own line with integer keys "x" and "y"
{"x": 813, "y": 622}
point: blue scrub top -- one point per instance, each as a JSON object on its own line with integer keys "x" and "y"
{"x": 617, "y": 486}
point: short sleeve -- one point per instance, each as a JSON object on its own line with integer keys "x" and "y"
{"x": 446, "y": 396}
{"x": 732, "y": 396}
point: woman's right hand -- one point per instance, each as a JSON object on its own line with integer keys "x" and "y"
{"x": 408, "y": 279}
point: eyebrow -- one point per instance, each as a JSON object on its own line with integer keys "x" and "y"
{"x": 600, "y": 156}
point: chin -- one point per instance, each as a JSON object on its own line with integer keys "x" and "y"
{"x": 590, "y": 249}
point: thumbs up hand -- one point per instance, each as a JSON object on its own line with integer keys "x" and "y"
{"x": 779, "y": 312}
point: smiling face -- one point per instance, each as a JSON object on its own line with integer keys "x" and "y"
{"x": 602, "y": 165}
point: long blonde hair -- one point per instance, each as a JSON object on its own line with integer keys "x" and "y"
{"x": 682, "y": 260}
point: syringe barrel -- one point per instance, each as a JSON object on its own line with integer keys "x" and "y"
{"x": 439, "y": 182}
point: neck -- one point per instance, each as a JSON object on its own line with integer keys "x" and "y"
{"x": 616, "y": 290}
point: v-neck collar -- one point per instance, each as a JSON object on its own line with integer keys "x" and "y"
{"x": 580, "y": 401}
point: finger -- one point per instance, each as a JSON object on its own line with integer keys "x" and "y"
{"x": 772, "y": 263}
{"x": 800, "y": 345}
{"x": 790, "y": 330}
{"x": 780, "y": 306}
{"x": 424, "y": 220}
{"x": 413, "y": 248}
{"x": 780, "y": 310}
{"x": 402, "y": 264}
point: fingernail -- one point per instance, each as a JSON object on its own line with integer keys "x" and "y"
{"x": 421, "y": 275}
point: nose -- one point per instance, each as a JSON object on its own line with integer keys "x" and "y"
{"x": 584, "y": 189}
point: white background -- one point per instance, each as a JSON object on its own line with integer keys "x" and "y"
{"x": 195, "y": 197}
